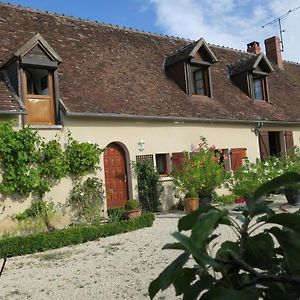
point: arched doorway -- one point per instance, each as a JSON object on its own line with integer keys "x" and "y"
{"x": 116, "y": 183}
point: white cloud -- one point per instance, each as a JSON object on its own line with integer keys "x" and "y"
{"x": 232, "y": 23}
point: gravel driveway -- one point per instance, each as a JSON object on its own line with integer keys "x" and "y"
{"x": 116, "y": 267}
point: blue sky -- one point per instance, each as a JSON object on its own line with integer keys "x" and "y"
{"x": 231, "y": 23}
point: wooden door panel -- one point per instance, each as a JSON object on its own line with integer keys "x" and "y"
{"x": 115, "y": 176}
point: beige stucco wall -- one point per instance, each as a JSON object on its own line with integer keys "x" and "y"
{"x": 159, "y": 137}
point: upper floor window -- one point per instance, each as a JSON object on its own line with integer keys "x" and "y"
{"x": 200, "y": 86}
{"x": 250, "y": 75}
{"x": 39, "y": 96}
{"x": 38, "y": 63}
{"x": 190, "y": 66}
{"x": 259, "y": 88}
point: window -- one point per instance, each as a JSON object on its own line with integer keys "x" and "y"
{"x": 162, "y": 164}
{"x": 39, "y": 96}
{"x": 259, "y": 88}
{"x": 200, "y": 84}
{"x": 148, "y": 158}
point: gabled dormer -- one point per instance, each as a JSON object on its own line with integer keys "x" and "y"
{"x": 251, "y": 76}
{"x": 33, "y": 74}
{"x": 190, "y": 66}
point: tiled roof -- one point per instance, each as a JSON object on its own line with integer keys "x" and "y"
{"x": 8, "y": 101}
{"x": 111, "y": 70}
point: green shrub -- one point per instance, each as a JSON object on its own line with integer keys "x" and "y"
{"x": 86, "y": 200}
{"x": 115, "y": 214}
{"x": 132, "y": 204}
{"x": 149, "y": 185}
{"x": 21, "y": 245}
{"x": 224, "y": 199}
{"x": 38, "y": 217}
{"x": 37, "y": 208}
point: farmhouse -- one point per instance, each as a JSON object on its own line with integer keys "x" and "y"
{"x": 143, "y": 96}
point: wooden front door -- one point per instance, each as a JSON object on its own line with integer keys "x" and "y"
{"x": 115, "y": 176}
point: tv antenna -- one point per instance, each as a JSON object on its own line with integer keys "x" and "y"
{"x": 281, "y": 31}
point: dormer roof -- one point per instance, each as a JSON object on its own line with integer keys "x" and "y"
{"x": 257, "y": 63}
{"x": 190, "y": 52}
{"x": 38, "y": 43}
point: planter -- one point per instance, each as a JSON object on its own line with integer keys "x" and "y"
{"x": 190, "y": 205}
{"x": 204, "y": 200}
{"x": 132, "y": 214}
{"x": 292, "y": 196}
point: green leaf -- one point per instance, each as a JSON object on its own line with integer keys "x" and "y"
{"x": 168, "y": 275}
{"x": 278, "y": 182}
{"x": 184, "y": 279}
{"x": 205, "y": 283}
{"x": 291, "y": 221}
{"x": 174, "y": 246}
{"x": 290, "y": 243}
{"x": 222, "y": 293}
{"x": 206, "y": 224}
{"x": 187, "y": 222}
{"x": 259, "y": 251}
{"x": 199, "y": 254}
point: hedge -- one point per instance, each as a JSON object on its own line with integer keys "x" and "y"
{"x": 40, "y": 242}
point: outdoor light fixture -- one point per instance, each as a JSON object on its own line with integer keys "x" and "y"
{"x": 141, "y": 145}
{"x": 258, "y": 127}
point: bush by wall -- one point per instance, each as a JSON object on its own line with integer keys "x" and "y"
{"x": 21, "y": 245}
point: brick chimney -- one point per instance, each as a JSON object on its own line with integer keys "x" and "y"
{"x": 273, "y": 50}
{"x": 253, "y": 48}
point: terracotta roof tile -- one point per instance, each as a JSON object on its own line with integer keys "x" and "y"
{"x": 8, "y": 102}
{"x": 107, "y": 69}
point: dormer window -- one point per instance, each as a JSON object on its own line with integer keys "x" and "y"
{"x": 190, "y": 66}
{"x": 39, "y": 96}
{"x": 250, "y": 75}
{"x": 39, "y": 86}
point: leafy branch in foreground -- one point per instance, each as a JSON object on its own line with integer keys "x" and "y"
{"x": 263, "y": 263}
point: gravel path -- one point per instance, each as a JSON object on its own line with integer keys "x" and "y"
{"x": 116, "y": 267}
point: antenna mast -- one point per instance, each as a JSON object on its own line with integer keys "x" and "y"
{"x": 281, "y": 31}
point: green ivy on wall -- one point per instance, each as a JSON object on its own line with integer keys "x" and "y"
{"x": 31, "y": 165}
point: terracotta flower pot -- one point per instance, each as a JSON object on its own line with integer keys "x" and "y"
{"x": 132, "y": 214}
{"x": 190, "y": 204}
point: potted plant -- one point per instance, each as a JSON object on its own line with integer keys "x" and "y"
{"x": 200, "y": 173}
{"x": 133, "y": 209}
{"x": 244, "y": 181}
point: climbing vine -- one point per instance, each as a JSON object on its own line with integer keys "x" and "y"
{"x": 31, "y": 165}
{"x": 82, "y": 158}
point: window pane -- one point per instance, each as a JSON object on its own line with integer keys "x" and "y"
{"x": 37, "y": 82}
{"x": 161, "y": 163}
{"x": 199, "y": 82}
{"x": 258, "y": 89}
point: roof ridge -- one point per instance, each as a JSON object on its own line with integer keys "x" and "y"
{"x": 292, "y": 62}
{"x": 96, "y": 22}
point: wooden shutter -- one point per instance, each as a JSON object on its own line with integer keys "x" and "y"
{"x": 177, "y": 159}
{"x": 289, "y": 142}
{"x": 264, "y": 146}
{"x": 236, "y": 158}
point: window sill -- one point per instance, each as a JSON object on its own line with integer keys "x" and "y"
{"x": 47, "y": 127}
